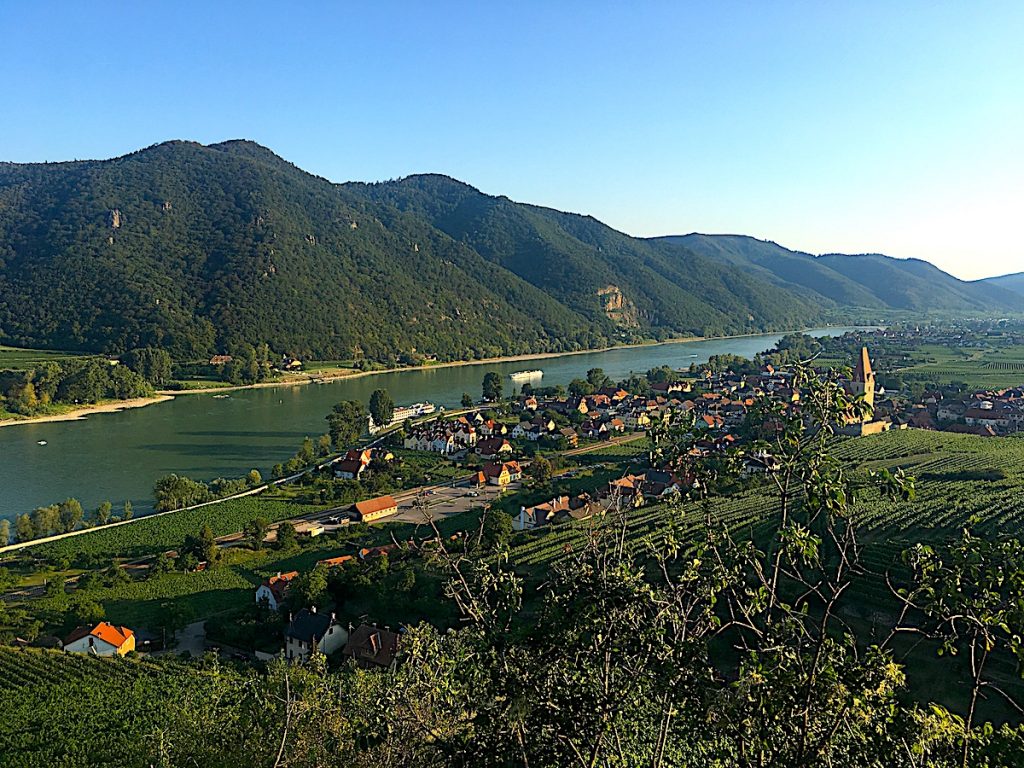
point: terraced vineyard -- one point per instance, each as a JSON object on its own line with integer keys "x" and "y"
{"x": 958, "y": 477}
{"x": 44, "y": 695}
{"x": 16, "y": 358}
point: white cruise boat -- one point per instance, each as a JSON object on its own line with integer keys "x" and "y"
{"x": 526, "y": 375}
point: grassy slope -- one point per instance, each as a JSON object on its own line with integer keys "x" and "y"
{"x": 978, "y": 368}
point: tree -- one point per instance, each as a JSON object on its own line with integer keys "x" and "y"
{"x": 207, "y": 545}
{"x": 85, "y": 609}
{"x": 256, "y": 529}
{"x": 580, "y": 388}
{"x": 23, "y": 399}
{"x": 46, "y": 520}
{"x": 153, "y": 364}
{"x": 71, "y": 514}
{"x": 287, "y": 538}
{"x": 540, "y": 471}
{"x": 467, "y": 400}
{"x": 127, "y": 510}
{"x": 125, "y": 384}
{"x": 597, "y": 379}
{"x": 254, "y": 478}
{"x": 177, "y": 491}
{"x": 492, "y": 386}
{"x": 346, "y": 422}
{"x": 203, "y": 546}
{"x": 5, "y": 532}
{"x": 495, "y": 529}
{"x": 102, "y": 514}
{"x": 382, "y": 408}
{"x": 173, "y": 617}
{"x": 310, "y": 588}
{"x": 971, "y": 599}
{"x": 161, "y": 565}
{"x": 24, "y": 528}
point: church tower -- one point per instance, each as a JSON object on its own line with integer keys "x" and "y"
{"x": 864, "y": 378}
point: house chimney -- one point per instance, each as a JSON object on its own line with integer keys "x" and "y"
{"x": 312, "y": 609}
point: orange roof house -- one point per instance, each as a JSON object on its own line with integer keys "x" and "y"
{"x": 104, "y": 639}
{"x": 374, "y": 509}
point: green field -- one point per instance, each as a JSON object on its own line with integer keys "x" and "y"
{"x": 44, "y": 695}
{"x": 150, "y": 535}
{"x": 14, "y": 358}
{"x": 994, "y": 367}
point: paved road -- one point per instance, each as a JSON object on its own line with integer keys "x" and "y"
{"x": 191, "y": 639}
{"x": 443, "y": 502}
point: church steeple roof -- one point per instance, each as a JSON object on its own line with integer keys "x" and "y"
{"x": 863, "y": 370}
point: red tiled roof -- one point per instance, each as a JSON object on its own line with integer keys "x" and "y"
{"x": 108, "y": 633}
{"x": 370, "y": 506}
{"x": 333, "y": 561}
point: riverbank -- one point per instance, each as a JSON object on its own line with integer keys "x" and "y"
{"x": 76, "y": 413}
{"x": 292, "y": 380}
{"x": 310, "y": 378}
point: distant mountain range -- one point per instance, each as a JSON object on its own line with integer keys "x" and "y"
{"x": 867, "y": 280}
{"x": 1014, "y": 282}
{"x": 203, "y": 248}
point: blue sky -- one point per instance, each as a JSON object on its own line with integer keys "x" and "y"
{"x": 825, "y": 126}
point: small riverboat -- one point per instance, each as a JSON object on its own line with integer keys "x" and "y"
{"x": 526, "y": 375}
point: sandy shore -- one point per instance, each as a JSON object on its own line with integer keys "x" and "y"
{"x": 88, "y": 410}
{"x": 309, "y": 377}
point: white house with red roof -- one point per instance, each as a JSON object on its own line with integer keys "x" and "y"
{"x": 273, "y": 590}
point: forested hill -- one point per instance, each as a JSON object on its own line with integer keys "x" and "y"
{"x": 1014, "y": 282}
{"x": 201, "y": 248}
{"x": 868, "y": 280}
